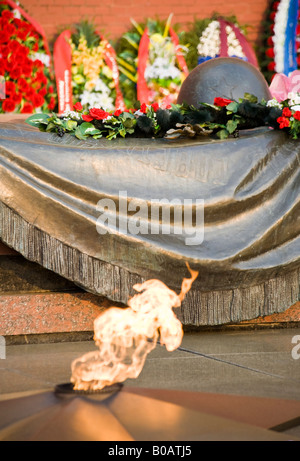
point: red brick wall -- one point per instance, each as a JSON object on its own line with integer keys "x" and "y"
{"x": 113, "y": 16}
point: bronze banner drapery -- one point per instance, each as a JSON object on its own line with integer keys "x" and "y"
{"x": 50, "y": 187}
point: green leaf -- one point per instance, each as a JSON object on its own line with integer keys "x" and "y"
{"x": 70, "y": 125}
{"x": 122, "y": 133}
{"x": 87, "y": 128}
{"x": 231, "y": 126}
{"x": 79, "y": 135}
{"x": 51, "y": 127}
{"x": 250, "y": 98}
{"x": 223, "y": 134}
{"x": 37, "y": 119}
{"x": 232, "y": 107}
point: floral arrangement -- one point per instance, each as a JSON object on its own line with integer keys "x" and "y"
{"x": 210, "y": 43}
{"x": 221, "y": 120}
{"x": 90, "y": 62}
{"x": 151, "y": 62}
{"x": 281, "y": 39}
{"x": 212, "y": 37}
{"x": 25, "y": 63}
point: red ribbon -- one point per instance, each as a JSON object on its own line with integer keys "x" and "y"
{"x": 143, "y": 56}
{"x": 34, "y": 24}
{"x": 111, "y": 61}
{"x": 247, "y": 49}
{"x": 63, "y": 63}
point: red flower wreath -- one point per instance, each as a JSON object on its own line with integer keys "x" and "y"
{"x": 26, "y": 79}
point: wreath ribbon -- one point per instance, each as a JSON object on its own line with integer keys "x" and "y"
{"x": 247, "y": 49}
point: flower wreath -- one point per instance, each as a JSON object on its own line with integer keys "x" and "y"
{"x": 154, "y": 66}
{"x": 281, "y": 41}
{"x": 222, "y": 120}
{"x": 222, "y": 38}
{"x": 86, "y": 70}
{"x": 25, "y": 63}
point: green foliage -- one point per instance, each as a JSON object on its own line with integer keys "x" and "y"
{"x": 87, "y": 30}
{"x": 178, "y": 121}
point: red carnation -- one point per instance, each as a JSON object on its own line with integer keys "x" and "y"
{"x": 2, "y": 66}
{"x": 286, "y": 112}
{"x": 6, "y": 14}
{"x": 43, "y": 91}
{"x": 16, "y": 72}
{"x": 4, "y": 37}
{"x": 27, "y": 108}
{"x": 8, "y": 105}
{"x": 143, "y": 108}
{"x": 87, "y": 118}
{"x": 27, "y": 71}
{"x": 118, "y": 112}
{"x": 37, "y": 100}
{"x": 283, "y": 122}
{"x": 221, "y": 102}
{"x": 155, "y": 106}
{"x": 23, "y": 85}
{"x": 271, "y": 66}
{"x": 270, "y": 53}
{"x": 30, "y": 93}
{"x": 10, "y": 87}
{"x": 52, "y": 103}
{"x": 17, "y": 98}
{"x": 297, "y": 115}
{"x": 78, "y": 107}
{"x": 14, "y": 45}
{"x": 98, "y": 114}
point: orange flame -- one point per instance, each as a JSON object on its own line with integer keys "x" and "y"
{"x": 126, "y": 336}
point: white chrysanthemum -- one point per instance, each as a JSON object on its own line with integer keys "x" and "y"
{"x": 280, "y": 24}
{"x": 161, "y": 68}
{"x": 97, "y": 100}
{"x": 70, "y": 114}
{"x": 210, "y": 44}
{"x": 43, "y": 57}
{"x": 274, "y": 103}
